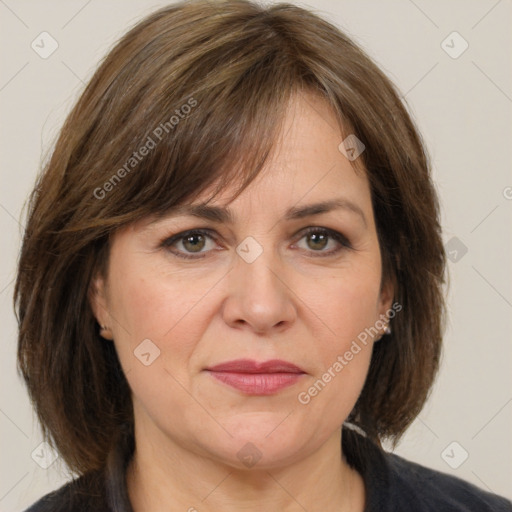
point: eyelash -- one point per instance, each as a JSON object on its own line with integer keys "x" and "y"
{"x": 342, "y": 240}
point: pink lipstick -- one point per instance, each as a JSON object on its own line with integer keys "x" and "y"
{"x": 255, "y": 378}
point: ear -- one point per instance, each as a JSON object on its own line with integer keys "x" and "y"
{"x": 384, "y": 306}
{"x": 387, "y": 293}
{"x": 99, "y": 305}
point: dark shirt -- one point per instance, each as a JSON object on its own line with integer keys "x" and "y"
{"x": 392, "y": 483}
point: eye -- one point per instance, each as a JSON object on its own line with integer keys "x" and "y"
{"x": 317, "y": 239}
{"x": 193, "y": 244}
{"x": 189, "y": 244}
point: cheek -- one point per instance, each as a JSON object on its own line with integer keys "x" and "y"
{"x": 345, "y": 305}
{"x": 332, "y": 391}
{"x": 168, "y": 311}
{"x": 170, "y": 314}
{"x": 151, "y": 302}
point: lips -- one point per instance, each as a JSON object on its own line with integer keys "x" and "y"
{"x": 257, "y": 378}
{"x": 251, "y": 366}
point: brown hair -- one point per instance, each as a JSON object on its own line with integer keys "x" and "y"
{"x": 234, "y": 65}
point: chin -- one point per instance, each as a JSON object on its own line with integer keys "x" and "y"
{"x": 259, "y": 441}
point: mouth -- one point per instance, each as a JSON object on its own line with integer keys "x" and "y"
{"x": 257, "y": 378}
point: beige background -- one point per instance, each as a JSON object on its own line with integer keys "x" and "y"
{"x": 463, "y": 107}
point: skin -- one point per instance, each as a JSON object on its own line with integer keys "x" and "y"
{"x": 293, "y": 303}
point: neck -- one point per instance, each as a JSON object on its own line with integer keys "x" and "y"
{"x": 165, "y": 476}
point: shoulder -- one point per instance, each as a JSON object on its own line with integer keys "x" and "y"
{"x": 415, "y": 487}
{"x": 394, "y": 484}
{"x": 85, "y": 493}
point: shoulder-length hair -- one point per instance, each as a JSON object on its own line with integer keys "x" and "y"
{"x": 193, "y": 97}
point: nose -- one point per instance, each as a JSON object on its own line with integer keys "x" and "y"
{"x": 259, "y": 297}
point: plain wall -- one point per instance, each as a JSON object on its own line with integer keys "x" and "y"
{"x": 463, "y": 109}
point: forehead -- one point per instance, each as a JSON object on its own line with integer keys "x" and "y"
{"x": 306, "y": 163}
{"x": 306, "y": 173}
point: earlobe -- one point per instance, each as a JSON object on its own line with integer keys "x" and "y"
{"x": 385, "y": 307}
{"x": 106, "y": 333}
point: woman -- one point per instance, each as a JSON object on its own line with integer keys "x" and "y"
{"x": 230, "y": 287}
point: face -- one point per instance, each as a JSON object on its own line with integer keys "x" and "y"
{"x": 275, "y": 284}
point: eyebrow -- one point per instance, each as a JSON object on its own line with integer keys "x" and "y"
{"x": 225, "y": 215}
